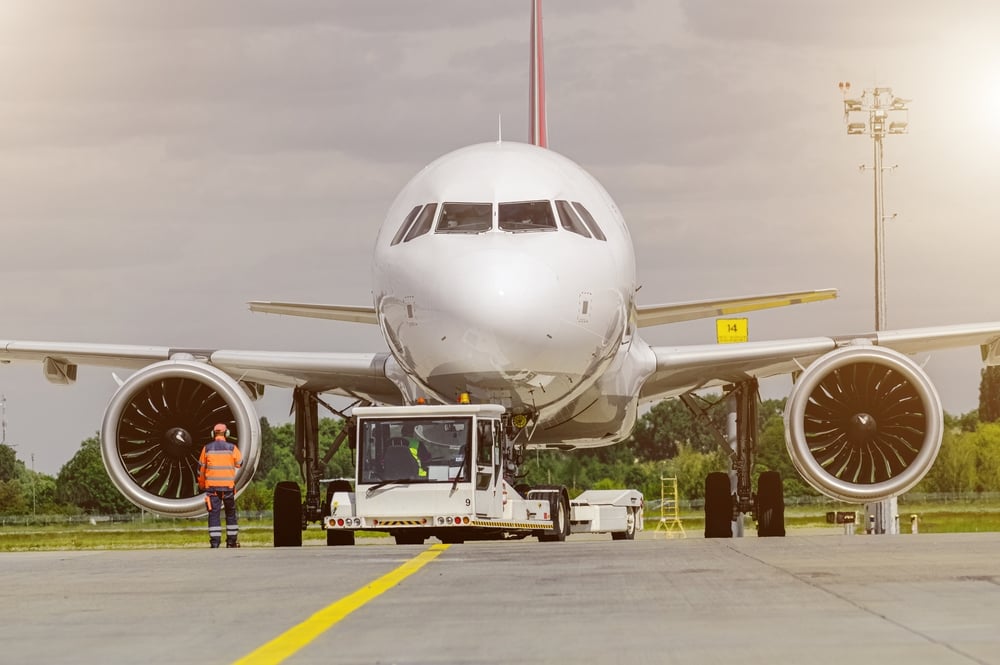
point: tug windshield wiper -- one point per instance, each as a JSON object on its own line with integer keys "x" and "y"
{"x": 465, "y": 465}
{"x": 371, "y": 490}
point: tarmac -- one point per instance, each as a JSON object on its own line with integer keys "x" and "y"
{"x": 816, "y": 597}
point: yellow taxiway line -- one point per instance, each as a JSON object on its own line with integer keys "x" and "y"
{"x": 293, "y": 639}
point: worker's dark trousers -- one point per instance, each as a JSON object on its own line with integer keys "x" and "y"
{"x": 216, "y": 499}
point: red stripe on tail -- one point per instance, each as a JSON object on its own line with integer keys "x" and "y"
{"x": 538, "y": 124}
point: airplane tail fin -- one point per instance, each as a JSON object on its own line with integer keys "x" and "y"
{"x": 538, "y": 125}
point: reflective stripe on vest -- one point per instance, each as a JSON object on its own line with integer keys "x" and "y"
{"x": 415, "y": 451}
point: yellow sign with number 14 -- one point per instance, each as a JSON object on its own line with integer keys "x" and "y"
{"x": 728, "y": 331}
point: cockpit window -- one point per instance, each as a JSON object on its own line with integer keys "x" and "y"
{"x": 465, "y": 218}
{"x": 405, "y": 225}
{"x": 526, "y": 216}
{"x": 570, "y": 220}
{"x": 423, "y": 222}
{"x": 589, "y": 219}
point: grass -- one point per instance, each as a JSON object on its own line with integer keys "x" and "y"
{"x": 959, "y": 517}
{"x": 179, "y": 534}
{"x": 940, "y": 519}
{"x": 137, "y": 536}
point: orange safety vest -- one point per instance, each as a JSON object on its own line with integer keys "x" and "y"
{"x": 217, "y": 465}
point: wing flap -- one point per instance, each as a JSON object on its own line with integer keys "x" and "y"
{"x": 350, "y": 313}
{"x": 655, "y": 315}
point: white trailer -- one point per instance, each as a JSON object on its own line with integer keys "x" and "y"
{"x": 449, "y": 471}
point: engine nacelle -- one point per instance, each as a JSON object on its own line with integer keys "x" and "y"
{"x": 863, "y": 423}
{"x": 156, "y": 425}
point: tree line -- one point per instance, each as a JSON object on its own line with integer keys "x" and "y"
{"x": 668, "y": 441}
{"x": 82, "y": 485}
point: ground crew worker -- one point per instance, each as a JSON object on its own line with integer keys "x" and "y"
{"x": 417, "y": 449}
{"x": 217, "y": 467}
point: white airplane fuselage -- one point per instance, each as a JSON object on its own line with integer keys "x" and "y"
{"x": 525, "y": 313}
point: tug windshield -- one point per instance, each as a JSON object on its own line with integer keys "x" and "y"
{"x": 414, "y": 449}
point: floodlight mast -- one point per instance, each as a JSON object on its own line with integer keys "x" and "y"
{"x": 877, "y": 112}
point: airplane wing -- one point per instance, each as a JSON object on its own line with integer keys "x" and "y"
{"x": 655, "y": 315}
{"x": 360, "y": 375}
{"x": 349, "y": 313}
{"x": 681, "y": 369}
{"x": 354, "y": 374}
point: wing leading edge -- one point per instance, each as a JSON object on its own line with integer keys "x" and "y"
{"x": 363, "y": 375}
{"x": 680, "y": 369}
{"x": 655, "y": 315}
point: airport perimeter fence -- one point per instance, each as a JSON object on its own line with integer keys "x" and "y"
{"x": 823, "y": 503}
{"x": 152, "y": 519}
{"x": 989, "y": 500}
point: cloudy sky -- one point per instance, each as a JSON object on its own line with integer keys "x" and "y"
{"x": 163, "y": 162}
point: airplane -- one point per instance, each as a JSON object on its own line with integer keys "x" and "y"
{"x": 505, "y": 271}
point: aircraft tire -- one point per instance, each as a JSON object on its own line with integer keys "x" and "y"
{"x": 287, "y": 512}
{"x": 770, "y": 505}
{"x": 718, "y": 506}
{"x": 565, "y": 514}
{"x": 630, "y": 527}
{"x": 560, "y": 519}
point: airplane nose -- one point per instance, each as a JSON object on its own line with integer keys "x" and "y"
{"x": 513, "y": 298}
{"x": 488, "y": 313}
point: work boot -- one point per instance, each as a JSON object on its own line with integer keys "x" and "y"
{"x": 214, "y": 544}
{"x": 235, "y": 544}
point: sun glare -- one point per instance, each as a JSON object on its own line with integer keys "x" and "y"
{"x": 990, "y": 100}
{"x": 975, "y": 77}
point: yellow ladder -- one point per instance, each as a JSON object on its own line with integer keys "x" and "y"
{"x": 670, "y": 516}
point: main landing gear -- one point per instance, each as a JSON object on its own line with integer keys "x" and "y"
{"x": 728, "y": 496}
{"x": 291, "y": 513}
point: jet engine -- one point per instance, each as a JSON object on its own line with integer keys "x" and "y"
{"x": 156, "y": 425}
{"x": 863, "y": 423}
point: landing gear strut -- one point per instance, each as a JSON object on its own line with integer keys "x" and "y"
{"x": 743, "y": 400}
{"x": 307, "y": 451}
